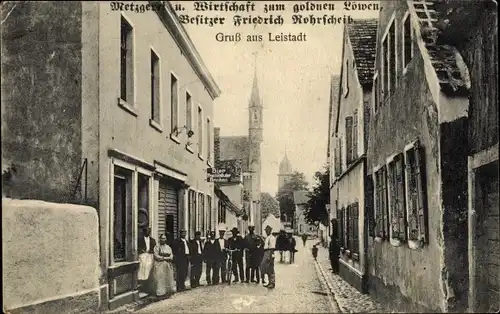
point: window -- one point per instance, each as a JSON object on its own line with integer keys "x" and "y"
{"x": 407, "y": 41}
{"x": 200, "y": 131}
{"x": 126, "y": 61}
{"x": 341, "y": 163}
{"x": 201, "y": 213}
{"x": 189, "y": 112}
{"x": 209, "y": 152}
{"x": 369, "y": 206}
{"x": 174, "y": 103}
{"x": 389, "y": 61}
{"x": 415, "y": 191}
{"x": 347, "y": 230}
{"x": 392, "y": 57}
{"x": 381, "y": 208}
{"x": 355, "y": 135}
{"x": 192, "y": 212}
{"x": 300, "y": 229}
{"x": 376, "y": 92}
{"x": 143, "y": 199}
{"x": 348, "y": 139}
{"x": 122, "y": 215}
{"x": 209, "y": 213}
{"x": 338, "y": 167}
{"x": 397, "y": 198}
{"x": 341, "y": 229}
{"x": 354, "y": 228}
{"x": 346, "y": 79}
{"x": 155, "y": 87}
{"x": 222, "y": 212}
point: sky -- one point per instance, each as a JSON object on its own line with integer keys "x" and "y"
{"x": 293, "y": 78}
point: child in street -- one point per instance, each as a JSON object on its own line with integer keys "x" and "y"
{"x": 315, "y": 251}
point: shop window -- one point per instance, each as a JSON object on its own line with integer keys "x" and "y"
{"x": 122, "y": 215}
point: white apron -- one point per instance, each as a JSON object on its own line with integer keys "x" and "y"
{"x": 145, "y": 266}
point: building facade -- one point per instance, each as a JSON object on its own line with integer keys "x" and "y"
{"x": 417, "y": 161}
{"x": 248, "y": 150}
{"x": 349, "y": 140}
{"x": 228, "y": 213}
{"x": 126, "y": 127}
{"x": 478, "y": 44}
{"x": 300, "y": 225}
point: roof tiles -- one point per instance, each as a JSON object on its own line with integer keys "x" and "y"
{"x": 363, "y": 37}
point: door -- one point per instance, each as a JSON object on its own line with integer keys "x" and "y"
{"x": 168, "y": 202}
{"x": 487, "y": 241}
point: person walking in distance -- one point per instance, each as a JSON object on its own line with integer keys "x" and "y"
{"x": 211, "y": 255}
{"x": 196, "y": 258}
{"x": 304, "y": 238}
{"x": 236, "y": 243}
{"x": 222, "y": 255}
{"x": 181, "y": 260}
{"x": 267, "y": 265}
{"x": 315, "y": 251}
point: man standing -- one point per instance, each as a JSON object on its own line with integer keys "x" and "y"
{"x": 222, "y": 255}
{"x": 196, "y": 250}
{"x": 334, "y": 251}
{"x": 304, "y": 238}
{"x": 211, "y": 255}
{"x": 291, "y": 246}
{"x": 236, "y": 243}
{"x": 267, "y": 265}
{"x": 251, "y": 242}
{"x": 181, "y": 260}
{"x": 145, "y": 248}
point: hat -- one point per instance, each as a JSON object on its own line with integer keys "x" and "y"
{"x": 251, "y": 227}
{"x": 235, "y": 230}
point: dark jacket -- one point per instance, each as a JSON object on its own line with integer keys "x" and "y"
{"x": 212, "y": 251}
{"x": 141, "y": 245}
{"x": 193, "y": 248}
{"x": 180, "y": 250}
{"x": 236, "y": 243}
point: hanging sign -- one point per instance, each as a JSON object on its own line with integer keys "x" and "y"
{"x": 218, "y": 175}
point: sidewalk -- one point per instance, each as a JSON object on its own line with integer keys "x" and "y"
{"x": 348, "y": 298}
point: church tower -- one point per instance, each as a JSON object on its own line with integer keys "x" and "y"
{"x": 285, "y": 171}
{"x": 255, "y": 126}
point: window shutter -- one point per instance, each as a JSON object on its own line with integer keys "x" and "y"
{"x": 400, "y": 189}
{"x": 370, "y": 208}
{"x": 337, "y": 157}
{"x": 340, "y": 155}
{"x": 393, "y": 201}
{"x": 348, "y": 138}
{"x": 422, "y": 202}
{"x": 342, "y": 227}
{"x": 378, "y": 204}
{"x": 355, "y": 136}
{"x": 355, "y": 225}
{"x": 349, "y": 228}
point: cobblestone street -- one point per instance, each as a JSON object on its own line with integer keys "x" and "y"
{"x": 298, "y": 290}
{"x": 348, "y": 298}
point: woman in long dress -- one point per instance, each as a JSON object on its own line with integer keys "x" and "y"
{"x": 163, "y": 270}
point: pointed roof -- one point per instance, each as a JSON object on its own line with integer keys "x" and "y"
{"x": 363, "y": 37}
{"x": 255, "y": 96}
{"x": 285, "y": 165}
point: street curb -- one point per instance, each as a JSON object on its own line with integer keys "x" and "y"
{"x": 330, "y": 288}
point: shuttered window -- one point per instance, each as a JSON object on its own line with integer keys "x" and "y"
{"x": 397, "y": 199}
{"x": 192, "y": 212}
{"x": 417, "y": 203}
{"x": 355, "y": 135}
{"x": 348, "y": 139}
{"x": 354, "y": 215}
{"x": 348, "y": 228}
{"x": 209, "y": 213}
{"x": 201, "y": 213}
{"x": 369, "y": 204}
{"x": 338, "y": 166}
{"x": 342, "y": 228}
{"x": 381, "y": 208}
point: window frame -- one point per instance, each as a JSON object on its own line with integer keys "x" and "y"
{"x": 128, "y": 104}
{"x": 174, "y": 126}
{"x": 348, "y": 124}
{"x": 376, "y": 89}
{"x": 380, "y": 188}
{"x": 200, "y": 128}
{"x": 393, "y": 187}
{"x": 422, "y": 225}
{"x": 355, "y": 124}
{"x": 386, "y": 76}
{"x": 208, "y": 135}
{"x": 158, "y": 125}
{"x": 406, "y": 61}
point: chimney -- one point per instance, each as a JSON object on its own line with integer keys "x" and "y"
{"x": 216, "y": 146}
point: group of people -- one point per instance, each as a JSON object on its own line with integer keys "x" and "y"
{"x": 285, "y": 242}
{"x": 166, "y": 265}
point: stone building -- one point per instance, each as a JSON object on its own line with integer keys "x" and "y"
{"x": 300, "y": 225}
{"x": 417, "y": 161}
{"x": 349, "y": 138}
{"x": 111, "y": 109}
{"x": 248, "y": 150}
{"x": 477, "y": 42}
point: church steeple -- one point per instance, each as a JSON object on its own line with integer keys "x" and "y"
{"x": 255, "y": 96}
{"x": 255, "y": 107}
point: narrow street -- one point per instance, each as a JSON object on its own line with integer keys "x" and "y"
{"x": 298, "y": 290}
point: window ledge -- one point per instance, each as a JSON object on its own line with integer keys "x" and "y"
{"x": 200, "y": 157}
{"x": 155, "y": 125}
{"x": 127, "y": 107}
{"x": 414, "y": 245}
{"x": 396, "y": 242}
{"x": 174, "y": 138}
{"x": 189, "y": 148}
{"x": 122, "y": 263}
